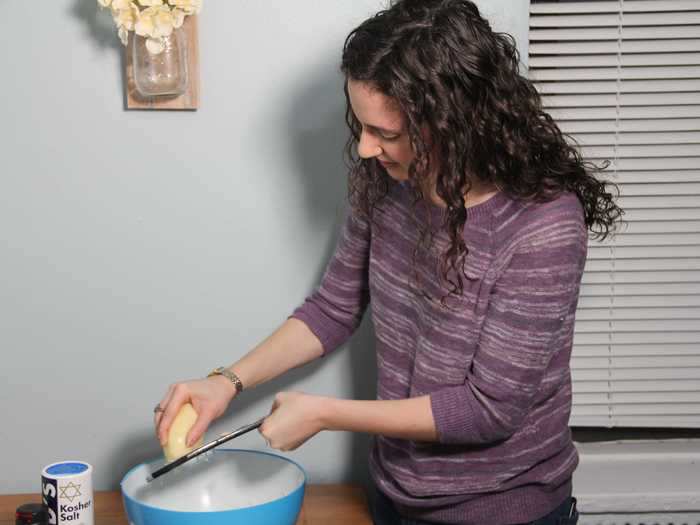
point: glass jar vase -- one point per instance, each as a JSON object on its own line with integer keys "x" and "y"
{"x": 164, "y": 73}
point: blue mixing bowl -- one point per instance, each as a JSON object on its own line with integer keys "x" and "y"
{"x": 226, "y": 486}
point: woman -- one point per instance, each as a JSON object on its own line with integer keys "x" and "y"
{"x": 467, "y": 236}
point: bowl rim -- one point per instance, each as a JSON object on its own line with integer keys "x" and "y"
{"x": 247, "y": 451}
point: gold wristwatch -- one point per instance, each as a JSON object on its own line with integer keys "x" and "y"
{"x": 222, "y": 371}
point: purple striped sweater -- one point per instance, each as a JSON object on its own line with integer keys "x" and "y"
{"x": 495, "y": 362}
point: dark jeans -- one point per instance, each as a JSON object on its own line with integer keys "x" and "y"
{"x": 384, "y": 513}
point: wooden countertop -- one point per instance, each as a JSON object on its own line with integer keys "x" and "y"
{"x": 323, "y": 504}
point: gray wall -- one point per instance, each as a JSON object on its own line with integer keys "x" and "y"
{"x": 140, "y": 248}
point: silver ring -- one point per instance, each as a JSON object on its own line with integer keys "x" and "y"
{"x": 158, "y": 408}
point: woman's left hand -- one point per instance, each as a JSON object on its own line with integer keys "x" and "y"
{"x": 295, "y": 418}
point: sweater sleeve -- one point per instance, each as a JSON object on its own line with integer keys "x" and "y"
{"x": 335, "y": 309}
{"x": 529, "y": 319}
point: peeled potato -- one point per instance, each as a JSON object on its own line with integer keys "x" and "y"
{"x": 177, "y": 435}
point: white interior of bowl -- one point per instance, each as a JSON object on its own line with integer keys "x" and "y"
{"x": 221, "y": 480}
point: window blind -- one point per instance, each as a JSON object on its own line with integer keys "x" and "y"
{"x": 622, "y": 78}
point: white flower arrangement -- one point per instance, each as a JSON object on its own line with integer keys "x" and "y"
{"x": 151, "y": 19}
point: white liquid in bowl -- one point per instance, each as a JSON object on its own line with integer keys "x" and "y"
{"x": 221, "y": 480}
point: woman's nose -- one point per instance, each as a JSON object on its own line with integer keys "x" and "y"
{"x": 368, "y": 146}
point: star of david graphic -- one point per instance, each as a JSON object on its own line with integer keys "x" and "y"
{"x": 70, "y": 491}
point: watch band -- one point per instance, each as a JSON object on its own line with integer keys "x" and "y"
{"x": 222, "y": 371}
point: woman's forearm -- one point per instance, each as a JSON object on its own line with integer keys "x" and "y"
{"x": 410, "y": 419}
{"x": 292, "y": 345}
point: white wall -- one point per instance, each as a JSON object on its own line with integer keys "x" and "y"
{"x": 139, "y": 248}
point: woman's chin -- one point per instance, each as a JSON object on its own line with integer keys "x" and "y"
{"x": 396, "y": 172}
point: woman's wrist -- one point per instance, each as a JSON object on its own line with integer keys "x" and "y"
{"x": 230, "y": 375}
{"x": 228, "y": 387}
{"x": 328, "y": 408}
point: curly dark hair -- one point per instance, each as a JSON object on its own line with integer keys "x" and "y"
{"x": 449, "y": 72}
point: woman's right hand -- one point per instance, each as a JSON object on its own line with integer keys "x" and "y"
{"x": 209, "y": 397}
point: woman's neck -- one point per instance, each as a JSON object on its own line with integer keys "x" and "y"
{"x": 478, "y": 193}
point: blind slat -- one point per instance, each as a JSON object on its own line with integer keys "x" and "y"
{"x": 651, "y": 239}
{"x": 626, "y": 112}
{"x": 641, "y": 264}
{"x": 630, "y": 6}
{"x": 644, "y": 349}
{"x": 614, "y": 20}
{"x": 624, "y": 86}
{"x": 683, "y": 276}
{"x": 637, "y": 228}
{"x": 639, "y": 374}
{"x": 632, "y": 314}
{"x": 629, "y": 99}
{"x": 657, "y": 385}
{"x": 630, "y": 60}
{"x": 611, "y": 33}
{"x": 636, "y": 338}
{"x": 671, "y": 201}
{"x": 661, "y": 214}
{"x": 678, "y": 163}
{"x": 614, "y": 361}
{"x": 637, "y": 252}
{"x": 630, "y": 126}
{"x": 622, "y": 410}
{"x": 635, "y": 398}
{"x": 623, "y": 289}
{"x": 664, "y": 188}
{"x": 678, "y": 137}
{"x": 603, "y": 73}
{"x": 584, "y": 326}
{"x": 646, "y": 301}
{"x": 636, "y": 421}
{"x": 641, "y": 151}
{"x": 653, "y": 179}
{"x": 612, "y": 47}
{"x": 636, "y": 164}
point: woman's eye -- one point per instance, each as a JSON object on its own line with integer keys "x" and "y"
{"x": 389, "y": 137}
